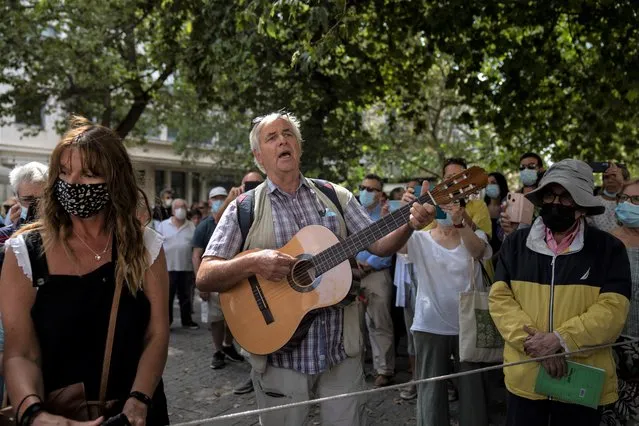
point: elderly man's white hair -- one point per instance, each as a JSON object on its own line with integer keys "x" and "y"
{"x": 178, "y": 200}
{"x": 261, "y": 121}
{"x": 32, "y": 172}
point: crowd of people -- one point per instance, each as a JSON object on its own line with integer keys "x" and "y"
{"x": 89, "y": 268}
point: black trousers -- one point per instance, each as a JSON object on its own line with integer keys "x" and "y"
{"x": 181, "y": 282}
{"x": 528, "y": 412}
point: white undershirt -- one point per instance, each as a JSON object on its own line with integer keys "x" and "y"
{"x": 152, "y": 242}
{"x": 441, "y": 275}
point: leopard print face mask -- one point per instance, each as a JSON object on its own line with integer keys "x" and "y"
{"x": 82, "y": 199}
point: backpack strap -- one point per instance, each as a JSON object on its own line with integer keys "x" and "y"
{"x": 246, "y": 206}
{"x": 328, "y": 190}
{"x": 245, "y": 213}
{"x": 39, "y": 267}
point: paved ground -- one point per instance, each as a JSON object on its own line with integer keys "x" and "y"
{"x": 195, "y": 391}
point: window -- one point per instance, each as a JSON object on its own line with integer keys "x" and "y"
{"x": 159, "y": 182}
{"x": 154, "y": 133}
{"x": 171, "y": 133}
{"x": 197, "y": 186}
{"x": 32, "y": 115}
{"x": 178, "y": 184}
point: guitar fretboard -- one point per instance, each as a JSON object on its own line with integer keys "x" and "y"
{"x": 338, "y": 253}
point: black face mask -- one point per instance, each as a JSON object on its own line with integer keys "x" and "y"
{"x": 557, "y": 217}
{"x": 82, "y": 199}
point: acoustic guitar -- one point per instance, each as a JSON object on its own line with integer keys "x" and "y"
{"x": 263, "y": 315}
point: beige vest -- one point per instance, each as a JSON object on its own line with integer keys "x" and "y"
{"x": 262, "y": 235}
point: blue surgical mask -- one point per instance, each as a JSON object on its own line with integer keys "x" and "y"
{"x": 609, "y": 194}
{"x": 528, "y": 177}
{"x": 23, "y": 213}
{"x": 215, "y": 205}
{"x": 492, "y": 190}
{"x": 367, "y": 198}
{"x": 628, "y": 214}
{"x": 446, "y": 222}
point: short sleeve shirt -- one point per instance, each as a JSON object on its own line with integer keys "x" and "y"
{"x": 203, "y": 233}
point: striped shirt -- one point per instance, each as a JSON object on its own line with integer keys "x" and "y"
{"x": 323, "y": 346}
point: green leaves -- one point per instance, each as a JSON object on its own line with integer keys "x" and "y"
{"x": 385, "y": 85}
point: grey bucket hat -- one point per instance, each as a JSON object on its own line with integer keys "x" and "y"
{"x": 576, "y": 177}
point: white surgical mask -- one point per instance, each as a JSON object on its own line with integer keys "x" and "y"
{"x": 180, "y": 213}
{"x": 168, "y": 202}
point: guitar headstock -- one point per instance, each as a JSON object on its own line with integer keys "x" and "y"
{"x": 460, "y": 186}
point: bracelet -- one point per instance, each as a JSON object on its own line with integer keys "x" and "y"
{"x": 142, "y": 397}
{"x": 22, "y": 402}
{"x": 30, "y": 413}
{"x": 459, "y": 225}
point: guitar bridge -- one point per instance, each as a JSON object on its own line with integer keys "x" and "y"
{"x": 260, "y": 300}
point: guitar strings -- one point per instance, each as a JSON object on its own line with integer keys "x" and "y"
{"x": 326, "y": 257}
{"x": 384, "y": 226}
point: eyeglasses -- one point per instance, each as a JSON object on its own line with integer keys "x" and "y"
{"x": 368, "y": 188}
{"x": 27, "y": 201}
{"x": 634, "y": 199}
{"x": 564, "y": 198}
{"x": 530, "y": 166}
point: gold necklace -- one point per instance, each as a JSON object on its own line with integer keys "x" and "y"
{"x": 98, "y": 256}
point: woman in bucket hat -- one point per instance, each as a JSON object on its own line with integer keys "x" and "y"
{"x": 560, "y": 286}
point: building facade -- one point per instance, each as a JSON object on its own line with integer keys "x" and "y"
{"x": 156, "y": 163}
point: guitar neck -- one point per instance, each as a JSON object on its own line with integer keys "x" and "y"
{"x": 340, "y": 252}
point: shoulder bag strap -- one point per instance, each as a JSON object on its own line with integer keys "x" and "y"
{"x": 328, "y": 190}
{"x": 106, "y": 365}
{"x": 473, "y": 284}
{"x": 245, "y": 213}
{"x": 37, "y": 258}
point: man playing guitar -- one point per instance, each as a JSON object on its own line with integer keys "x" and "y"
{"x": 327, "y": 360}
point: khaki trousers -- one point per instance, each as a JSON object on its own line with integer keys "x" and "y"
{"x": 377, "y": 287}
{"x": 278, "y": 386}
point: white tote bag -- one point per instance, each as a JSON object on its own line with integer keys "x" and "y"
{"x": 479, "y": 339}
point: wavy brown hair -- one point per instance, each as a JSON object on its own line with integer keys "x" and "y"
{"x": 104, "y": 154}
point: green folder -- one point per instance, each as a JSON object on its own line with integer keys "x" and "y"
{"x": 582, "y": 385}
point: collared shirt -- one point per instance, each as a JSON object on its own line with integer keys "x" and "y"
{"x": 323, "y": 346}
{"x": 364, "y": 256}
{"x": 559, "y": 248}
{"x": 177, "y": 244}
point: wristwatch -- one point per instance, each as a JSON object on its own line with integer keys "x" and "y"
{"x": 460, "y": 225}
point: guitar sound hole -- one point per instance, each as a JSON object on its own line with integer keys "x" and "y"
{"x": 302, "y": 277}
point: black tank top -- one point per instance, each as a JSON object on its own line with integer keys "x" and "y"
{"x": 71, "y": 319}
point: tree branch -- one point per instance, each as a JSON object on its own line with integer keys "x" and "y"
{"x": 141, "y": 101}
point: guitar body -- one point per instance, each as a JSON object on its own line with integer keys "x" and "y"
{"x": 263, "y": 315}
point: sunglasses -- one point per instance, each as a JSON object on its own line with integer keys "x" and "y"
{"x": 368, "y": 188}
{"x": 530, "y": 166}
{"x": 564, "y": 198}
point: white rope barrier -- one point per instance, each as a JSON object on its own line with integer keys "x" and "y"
{"x": 394, "y": 387}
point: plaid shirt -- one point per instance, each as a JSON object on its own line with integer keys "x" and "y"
{"x": 323, "y": 346}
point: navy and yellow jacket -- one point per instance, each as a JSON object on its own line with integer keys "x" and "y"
{"x": 582, "y": 294}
